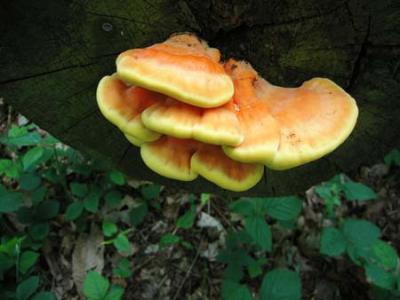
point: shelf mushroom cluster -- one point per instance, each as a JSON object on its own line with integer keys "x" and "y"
{"x": 192, "y": 114}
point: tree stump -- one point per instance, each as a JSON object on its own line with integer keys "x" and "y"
{"x": 53, "y": 53}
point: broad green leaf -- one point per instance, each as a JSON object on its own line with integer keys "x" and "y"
{"x": 39, "y": 231}
{"x": 324, "y": 191}
{"x": 91, "y": 200}
{"x": 169, "y": 239}
{"x": 116, "y": 292}
{"x": 238, "y": 256}
{"x": 358, "y": 191}
{"x": 280, "y": 284}
{"x": 234, "y": 291}
{"x": 361, "y": 233}
{"x": 74, "y": 211}
{"x": 233, "y": 272}
{"x": 10, "y": 201}
{"x": 27, "y": 260}
{"x": 95, "y": 286}
{"x": 47, "y": 210}
{"x": 32, "y": 157}
{"x": 283, "y": 208}
{"x": 379, "y": 276}
{"x": 151, "y": 191}
{"x": 260, "y": 231}
{"x": 9, "y": 168}
{"x": 109, "y": 228}
{"x": 137, "y": 214}
{"x": 122, "y": 244}
{"x": 79, "y": 189}
{"x": 27, "y": 288}
{"x": 393, "y": 158}
{"x": 243, "y": 206}
{"x": 29, "y": 181}
{"x": 186, "y": 221}
{"x": 38, "y": 195}
{"x": 384, "y": 255}
{"x": 333, "y": 242}
{"x": 28, "y": 139}
{"x": 113, "y": 198}
{"x": 123, "y": 268}
{"x": 44, "y": 296}
{"x": 117, "y": 177}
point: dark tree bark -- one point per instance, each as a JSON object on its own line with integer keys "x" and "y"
{"x": 53, "y": 53}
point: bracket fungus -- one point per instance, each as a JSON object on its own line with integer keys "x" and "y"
{"x": 182, "y": 67}
{"x": 186, "y": 159}
{"x": 192, "y": 116}
{"x": 288, "y": 127}
{"x": 122, "y": 105}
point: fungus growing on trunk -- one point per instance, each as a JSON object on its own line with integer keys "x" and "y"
{"x": 185, "y": 159}
{"x": 122, "y": 106}
{"x": 287, "y": 127}
{"x": 183, "y": 67}
{"x": 218, "y": 125}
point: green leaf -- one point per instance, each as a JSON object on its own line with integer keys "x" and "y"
{"x": 123, "y": 268}
{"x": 74, "y": 211}
{"x": 79, "y": 189}
{"x": 9, "y": 168}
{"x": 91, "y": 201}
{"x": 44, "y": 296}
{"x": 95, "y": 286}
{"x": 393, "y": 158}
{"x": 204, "y": 198}
{"x": 361, "y": 233}
{"x": 47, "y": 210}
{"x": 28, "y": 139}
{"x": 29, "y": 181}
{"x": 234, "y": 291}
{"x": 186, "y": 221}
{"x": 260, "y": 231}
{"x": 27, "y": 260}
{"x": 150, "y": 192}
{"x": 243, "y": 206}
{"x": 324, "y": 191}
{"x": 357, "y": 191}
{"x": 115, "y": 293}
{"x": 169, "y": 239}
{"x": 32, "y": 157}
{"x": 117, "y": 177}
{"x": 113, "y": 198}
{"x": 137, "y": 214}
{"x": 10, "y": 201}
{"x": 379, "y": 276}
{"x": 27, "y": 288}
{"x": 39, "y": 231}
{"x": 333, "y": 242}
{"x": 283, "y": 208}
{"x": 122, "y": 244}
{"x": 384, "y": 255}
{"x": 109, "y": 228}
{"x": 255, "y": 269}
{"x": 38, "y": 195}
{"x": 280, "y": 284}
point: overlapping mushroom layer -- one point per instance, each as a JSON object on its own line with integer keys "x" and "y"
{"x": 193, "y": 116}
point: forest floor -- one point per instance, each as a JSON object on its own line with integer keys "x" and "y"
{"x": 192, "y": 272}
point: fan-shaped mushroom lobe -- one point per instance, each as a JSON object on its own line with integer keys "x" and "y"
{"x": 182, "y": 67}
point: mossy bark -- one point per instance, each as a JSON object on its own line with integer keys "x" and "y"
{"x": 53, "y": 53}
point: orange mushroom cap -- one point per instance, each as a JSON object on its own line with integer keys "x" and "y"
{"x": 288, "y": 127}
{"x": 183, "y": 67}
{"x": 218, "y": 125}
{"x": 122, "y": 105}
{"x": 185, "y": 159}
